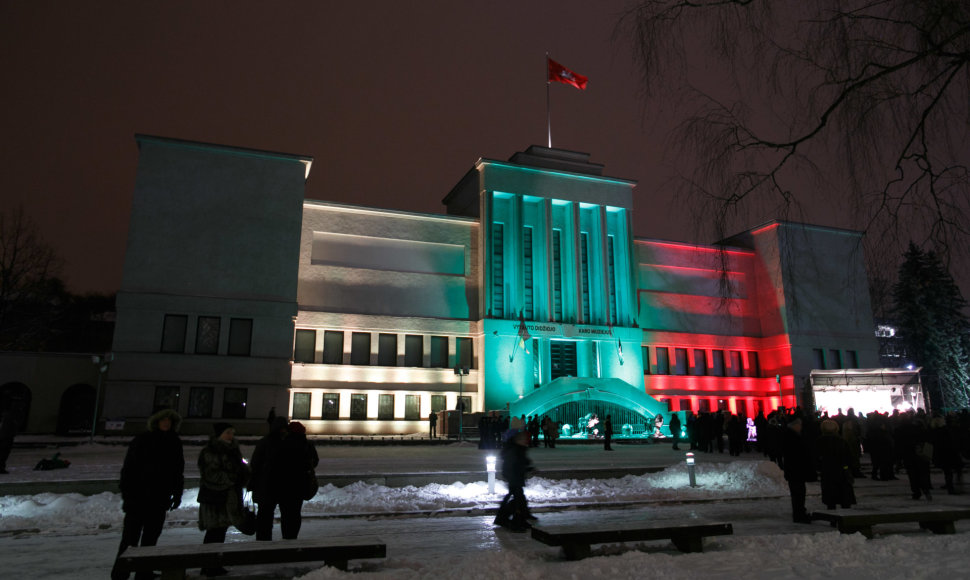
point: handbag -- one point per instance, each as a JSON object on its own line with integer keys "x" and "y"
{"x": 247, "y": 520}
{"x": 311, "y": 486}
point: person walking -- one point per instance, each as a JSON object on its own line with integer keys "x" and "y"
{"x": 282, "y": 463}
{"x": 798, "y": 467}
{"x": 222, "y": 475}
{"x": 432, "y": 425}
{"x": 675, "y": 430}
{"x": 608, "y": 433}
{"x": 513, "y": 512}
{"x": 835, "y": 466}
{"x": 152, "y": 482}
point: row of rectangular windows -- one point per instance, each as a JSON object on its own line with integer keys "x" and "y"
{"x": 715, "y": 366}
{"x": 201, "y": 401}
{"x": 208, "y": 331}
{"x": 304, "y": 350}
{"x": 834, "y": 359}
{"x": 330, "y": 409}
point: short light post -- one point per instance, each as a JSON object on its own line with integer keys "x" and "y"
{"x": 490, "y": 468}
{"x": 690, "y": 469}
{"x": 102, "y": 363}
{"x": 461, "y": 372}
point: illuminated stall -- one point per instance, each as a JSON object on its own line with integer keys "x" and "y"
{"x": 867, "y": 390}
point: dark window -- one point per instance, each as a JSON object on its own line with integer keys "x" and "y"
{"x": 562, "y": 355}
{"x": 557, "y": 274}
{"x": 717, "y": 363}
{"x": 736, "y": 369}
{"x": 173, "y": 333}
{"x": 439, "y": 352}
{"x": 722, "y": 405}
{"x": 234, "y": 403}
{"x": 165, "y": 398}
{"x": 680, "y": 361}
{"x": 200, "y": 402}
{"x": 663, "y": 360}
{"x": 851, "y": 359}
{"x": 584, "y": 275}
{"x": 703, "y": 406}
{"x": 412, "y": 407}
{"x": 684, "y": 405}
{"x": 465, "y": 404}
{"x": 301, "y": 405}
{"x": 498, "y": 271}
{"x": 333, "y": 347}
{"x": 835, "y": 357}
{"x": 611, "y": 264}
{"x": 385, "y": 407}
{"x": 754, "y": 367}
{"x": 240, "y": 336}
{"x": 413, "y": 350}
{"x": 358, "y": 407}
{"x": 207, "y": 335}
{"x": 700, "y": 362}
{"x": 527, "y": 273}
{"x": 360, "y": 348}
{"x": 818, "y": 358}
{"x": 438, "y": 403}
{"x": 465, "y": 353}
{"x": 331, "y": 406}
{"x": 645, "y": 353}
{"x": 387, "y": 350}
{"x": 306, "y": 343}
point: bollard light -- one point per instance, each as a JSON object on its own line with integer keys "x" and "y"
{"x": 490, "y": 468}
{"x": 690, "y": 469}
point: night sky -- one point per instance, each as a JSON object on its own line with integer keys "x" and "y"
{"x": 395, "y": 101}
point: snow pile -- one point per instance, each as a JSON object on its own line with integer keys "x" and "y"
{"x": 75, "y": 512}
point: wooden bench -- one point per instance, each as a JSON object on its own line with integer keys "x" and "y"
{"x": 174, "y": 560}
{"x": 575, "y": 542}
{"x": 937, "y": 520}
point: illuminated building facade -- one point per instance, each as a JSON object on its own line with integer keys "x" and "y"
{"x": 531, "y": 295}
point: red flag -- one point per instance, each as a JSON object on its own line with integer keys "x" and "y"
{"x": 560, "y": 74}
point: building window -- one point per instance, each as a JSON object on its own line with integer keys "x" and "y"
{"x": 301, "y": 405}
{"x": 413, "y": 350}
{"x": 207, "y": 335}
{"x": 385, "y": 407}
{"x": 360, "y": 348}
{"x": 835, "y": 358}
{"x": 412, "y": 407}
{"x": 234, "y": 403}
{"x": 557, "y": 275}
{"x": 754, "y": 367}
{"x": 498, "y": 270}
{"x": 464, "y": 404}
{"x": 438, "y": 403}
{"x": 165, "y": 398}
{"x": 680, "y": 361}
{"x": 562, "y": 355}
{"x": 439, "y": 352}
{"x": 584, "y": 275}
{"x": 663, "y": 360}
{"x": 331, "y": 406}
{"x": 684, "y": 405}
{"x": 645, "y": 353}
{"x": 536, "y": 365}
{"x": 240, "y": 336}
{"x": 703, "y": 406}
{"x": 611, "y": 265}
{"x": 387, "y": 350}
{"x": 465, "y": 353}
{"x": 358, "y": 407}
{"x": 528, "y": 287}
{"x": 333, "y": 347}
{"x": 173, "y": 333}
{"x": 736, "y": 369}
{"x": 700, "y": 362}
{"x": 851, "y": 359}
{"x": 717, "y": 363}
{"x": 200, "y": 402}
{"x": 818, "y": 358}
{"x": 306, "y": 343}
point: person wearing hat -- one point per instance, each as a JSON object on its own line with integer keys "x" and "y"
{"x": 222, "y": 475}
{"x": 799, "y": 467}
{"x": 151, "y": 483}
{"x": 282, "y": 462}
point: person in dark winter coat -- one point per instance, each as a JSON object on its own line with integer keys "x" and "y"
{"x": 151, "y": 483}
{"x": 835, "y": 466}
{"x": 914, "y": 438}
{"x": 282, "y": 463}
{"x": 513, "y": 512}
{"x": 222, "y": 476}
{"x": 675, "y": 429}
{"x": 608, "y": 433}
{"x": 798, "y": 467}
{"x": 946, "y": 455}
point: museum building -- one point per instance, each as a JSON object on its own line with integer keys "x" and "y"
{"x": 529, "y": 295}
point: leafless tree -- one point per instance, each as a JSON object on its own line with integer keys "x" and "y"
{"x": 861, "y": 105}
{"x": 28, "y": 279}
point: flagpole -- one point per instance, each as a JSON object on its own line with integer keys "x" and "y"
{"x": 548, "y": 114}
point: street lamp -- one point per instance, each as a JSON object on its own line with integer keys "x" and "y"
{"x": 461, "y": 372}
{"x": 102, "y": 362}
